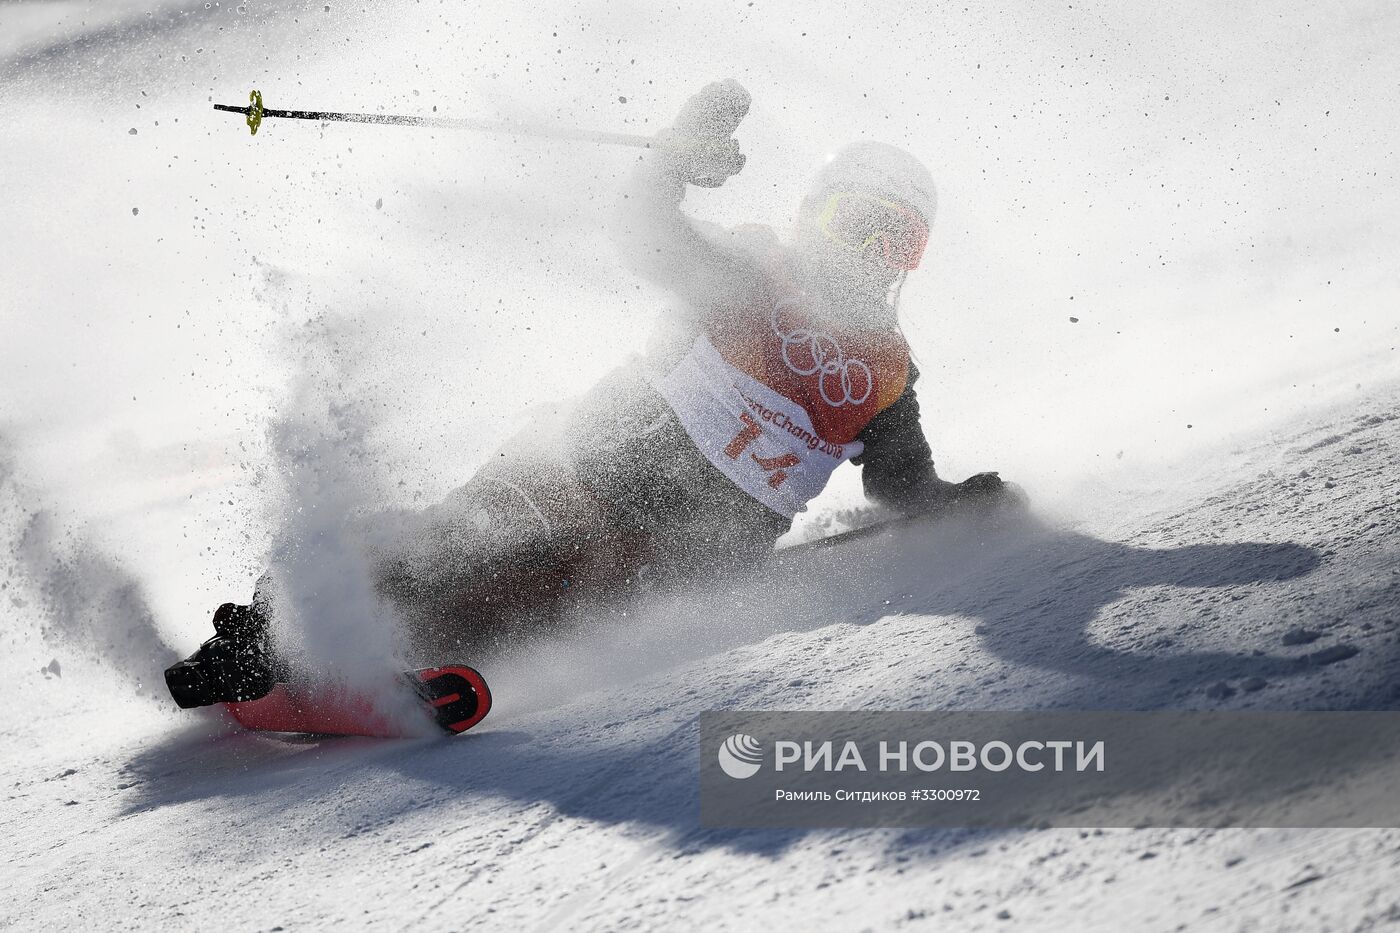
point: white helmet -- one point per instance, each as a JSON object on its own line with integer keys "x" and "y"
{"x": 876, "y": 169}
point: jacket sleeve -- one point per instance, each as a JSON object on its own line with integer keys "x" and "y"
{"x": 897, "y": 462}
{"x": 703, "y": 263}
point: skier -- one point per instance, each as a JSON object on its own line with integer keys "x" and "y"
{"x": 781, "y": 362}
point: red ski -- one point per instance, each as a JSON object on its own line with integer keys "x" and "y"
{"x": 454, "y": 697}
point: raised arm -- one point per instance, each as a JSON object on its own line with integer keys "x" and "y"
{"x": 701, "y": 262}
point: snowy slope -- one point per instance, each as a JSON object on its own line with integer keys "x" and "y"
{"x": 576, "y": 807}
{"x": 1212, "y": 442}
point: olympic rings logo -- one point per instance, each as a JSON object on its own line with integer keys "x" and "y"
{"x": 812, "y": 353}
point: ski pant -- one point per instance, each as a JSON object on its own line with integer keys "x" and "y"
{"x": 589, "y": 515}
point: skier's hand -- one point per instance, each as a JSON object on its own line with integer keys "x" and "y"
{"x": 981, "y": 486}
{"x": 714, "y": 112}
{"x": 699, "y": 146}
{"x": 982, "y": 492}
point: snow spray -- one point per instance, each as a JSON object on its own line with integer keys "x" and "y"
{"x": 328, "y": 617}
{"x": 80, "y": 598}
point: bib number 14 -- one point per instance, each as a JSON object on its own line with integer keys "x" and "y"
{"x": 776, "y": 467}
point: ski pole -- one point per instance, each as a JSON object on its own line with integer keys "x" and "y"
{"x": 255, "y": 112}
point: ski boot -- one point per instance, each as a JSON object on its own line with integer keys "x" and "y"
{"x": 234, "y": 666}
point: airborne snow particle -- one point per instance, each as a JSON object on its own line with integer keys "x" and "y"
{"x": 131, "y": 132}
{"x": 378, "y": 204}
{"x": 135, "y": 211}
{"x": 621, "y": 99}
{"x": 1074, "y": 320}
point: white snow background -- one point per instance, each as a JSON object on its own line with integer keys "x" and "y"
{"x": 1161, "y": 293}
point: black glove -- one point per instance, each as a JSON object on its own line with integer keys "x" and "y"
{"x": 699, "y": 147}
{"x": 981, "y": 486}
{"x": 981, "y": 492}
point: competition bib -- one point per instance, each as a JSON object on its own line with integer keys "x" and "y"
{"x": 776, "y": 405}
{"x": 763, "y": 442}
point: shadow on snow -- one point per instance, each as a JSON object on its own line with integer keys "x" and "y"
{"x": 1034, "y": 590}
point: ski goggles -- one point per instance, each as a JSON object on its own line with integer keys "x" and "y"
{"x": 856, "y": 221}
